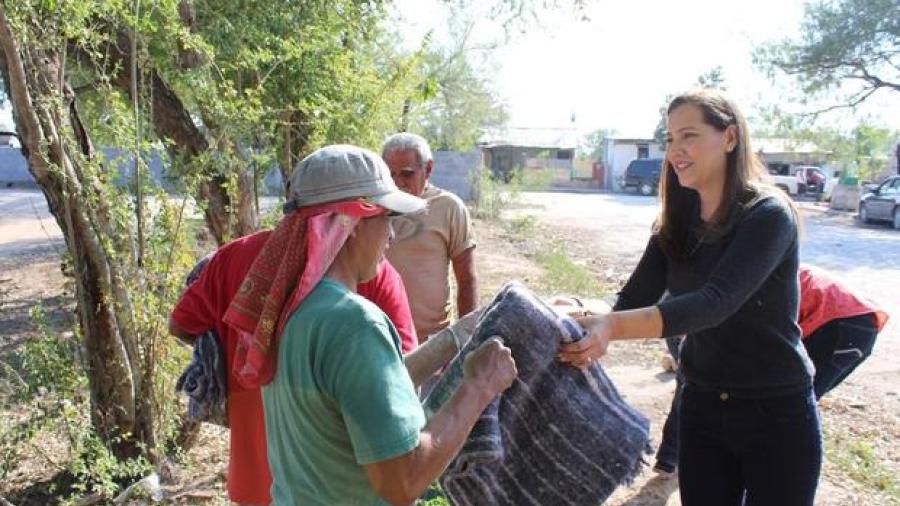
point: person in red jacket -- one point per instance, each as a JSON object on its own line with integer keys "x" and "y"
{"x": 815, "y": 180}
{"x": 839, "y": 329}
{"x": 202, "y": 307}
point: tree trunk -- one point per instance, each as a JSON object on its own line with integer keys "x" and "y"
{"x": 294, "y": 144}
{"x": 57, "y": 148}
{"x": 226, "y": 218}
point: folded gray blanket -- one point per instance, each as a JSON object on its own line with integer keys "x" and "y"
{"x": 205, "y": 381}
{"x": 558, "y": 435}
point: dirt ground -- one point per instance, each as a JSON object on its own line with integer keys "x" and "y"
{"x": 30, "y": 274}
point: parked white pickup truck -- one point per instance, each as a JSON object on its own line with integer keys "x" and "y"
{"x": 801, "y": 179}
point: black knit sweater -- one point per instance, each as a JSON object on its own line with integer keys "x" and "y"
{"x": 736, "y": 298}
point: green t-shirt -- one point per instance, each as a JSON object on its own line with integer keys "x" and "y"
{"x": 341, "y": 398}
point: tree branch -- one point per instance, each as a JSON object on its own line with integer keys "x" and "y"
{"x": 17, "y": 86}
{"x": 855, "y": 101}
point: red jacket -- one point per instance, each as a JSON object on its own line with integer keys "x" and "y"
{"x": 823, "y": 299}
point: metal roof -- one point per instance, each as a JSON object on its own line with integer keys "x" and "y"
{"x": 548, "y": 138}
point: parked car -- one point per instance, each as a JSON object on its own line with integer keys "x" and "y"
{"x": 643, "y": 175}
{"x": 882, "y": 204}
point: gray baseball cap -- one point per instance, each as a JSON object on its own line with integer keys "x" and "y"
{"x": 343, "y": 172}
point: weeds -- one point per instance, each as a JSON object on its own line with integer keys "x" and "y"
{"x": 494, "y": 197}
{"x": 48, "y": 391}
{"x": 561, "y": 274}
{"x": 564, "y": 276}
{"x": 497, "y": 194}
{"x": 857, "y": 459}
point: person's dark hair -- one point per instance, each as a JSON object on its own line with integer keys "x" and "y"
{"x": 746, "y": 178}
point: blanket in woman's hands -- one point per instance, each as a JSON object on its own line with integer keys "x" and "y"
{"x": 558, "y": 435}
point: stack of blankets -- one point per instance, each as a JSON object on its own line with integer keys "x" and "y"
{"x": 558, "y": 435}
{"x": 205, "y": 381}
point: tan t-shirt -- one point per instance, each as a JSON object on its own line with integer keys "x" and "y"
{"x": 423, "y": 245}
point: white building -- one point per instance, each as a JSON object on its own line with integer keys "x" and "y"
{"x": 619, "y": 152}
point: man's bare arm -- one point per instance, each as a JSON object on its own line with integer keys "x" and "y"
{"x": 401, "y": 480}
{"x": 466, "y": 281}
{"x": 439, "y": 349}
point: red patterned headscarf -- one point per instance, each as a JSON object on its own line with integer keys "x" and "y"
{"x": 290, "y": 265}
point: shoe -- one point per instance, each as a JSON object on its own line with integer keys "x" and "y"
{"x": 665, "y": 468}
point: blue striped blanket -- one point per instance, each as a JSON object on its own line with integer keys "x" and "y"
{"x": 558, "y": 435}
{"x": 205, "y": 381}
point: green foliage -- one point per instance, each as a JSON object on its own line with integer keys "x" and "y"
{"x": 562, "y": 275}
{"x": 495, "y": 196}
{"x": 50, "y": 364}
{"x": 713, "y": 79}
{"x": 522, "y": 226}
{"x": 594, "y": 143}
{"x": 535, "y": 180}
{"x": 331, "y": 62}
{"x": 46, "y": 381}
{"x": 60, "y": 395}
{"x": 843, "y": 42}
{"x": 434, "y": 496}
{"x": 863, "y": 151}
{"x": 516, "y": 15}
{"x": 857, "y": 458}
{"x": 456, "y": 103}
{"x": 435, "y": 501}
{"x": 47, "y": 391}
{"x": 249, "y": 75}
{"x": 459, "y": 104}
{"x": 271, "y": 218}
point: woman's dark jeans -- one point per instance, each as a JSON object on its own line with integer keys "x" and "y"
{"x": 836, "y": 349}
{"x": 756, "y": 452}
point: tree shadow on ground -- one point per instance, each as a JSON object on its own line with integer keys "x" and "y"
{"x": 45, "y": 492}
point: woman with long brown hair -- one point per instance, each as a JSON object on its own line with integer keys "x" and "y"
{"x": 725, "y": 248}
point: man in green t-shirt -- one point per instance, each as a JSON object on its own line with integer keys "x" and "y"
{"x": 343, "y": 422}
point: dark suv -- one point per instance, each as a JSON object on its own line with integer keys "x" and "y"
{"x": 643, "y": 175}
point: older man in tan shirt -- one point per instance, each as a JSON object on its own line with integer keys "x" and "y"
{"x": 427, "y": 243}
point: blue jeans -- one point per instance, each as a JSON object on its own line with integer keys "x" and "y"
{"x": 838, "y": 347}
{"x": 756, "y": 452}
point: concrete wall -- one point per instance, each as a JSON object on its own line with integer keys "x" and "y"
{"x": 14, "y": 170}
{"x": 845, "y": 197}
{"x": 14, "y": 167}
{"x": 453, "y": 171}
{"x": 458, "y": 172}
{"x": 272, "y": 184}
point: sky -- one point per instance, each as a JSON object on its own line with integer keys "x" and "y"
{"x": 615, "y": 70}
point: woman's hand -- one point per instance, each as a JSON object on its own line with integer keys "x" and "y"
{"x": 585, "y": 352}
